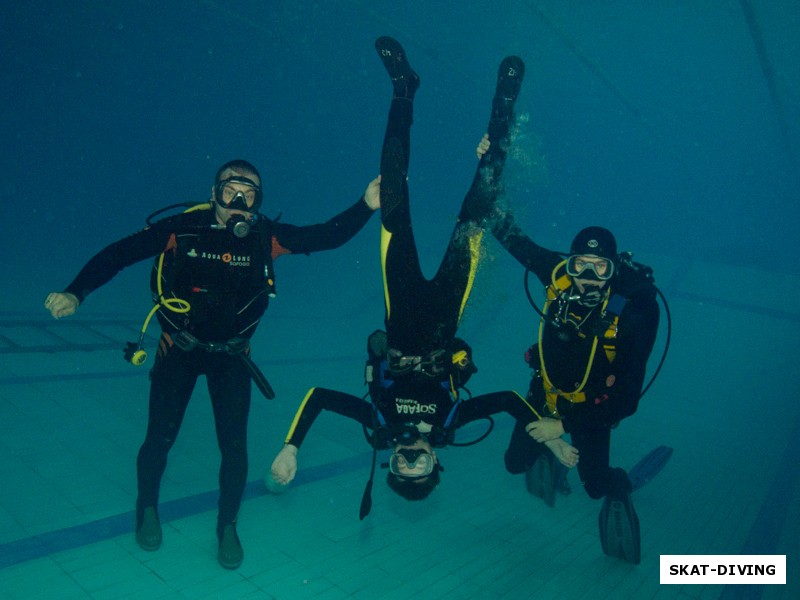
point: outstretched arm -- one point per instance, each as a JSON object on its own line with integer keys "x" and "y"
{"x": 284, "y": 466}
{"x": 331, "y": 234}
{"x": 104, "y": 265}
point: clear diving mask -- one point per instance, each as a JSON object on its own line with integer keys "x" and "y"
{"x": 239, "y": 193}
{"x": 408, "y": 463}
{"x": 590, "y": 267}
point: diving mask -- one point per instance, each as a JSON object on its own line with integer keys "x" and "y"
{"x": 239, "y": 193}
{"x": 590, "y": 267}
{"x": 409, "y": 463}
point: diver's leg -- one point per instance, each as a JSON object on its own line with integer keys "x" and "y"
{"x": 399, "y": 259}
{"x": 598, "y": 478}
{"x": 230, "y": 387}
{"x": 480, "y": 199}
{"x": 620, "y": 535}
{"x": 397, "y": 140}
{"x": 459, "y": 265}
{"x": 172, "y": 380}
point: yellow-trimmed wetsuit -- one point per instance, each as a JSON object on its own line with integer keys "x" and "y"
{"x": 589, "y": 370}
{"x": 422, "y": 315}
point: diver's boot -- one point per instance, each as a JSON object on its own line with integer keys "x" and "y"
{"x": 541, "y": 478}
{"x": 404, "y": 79}
{"x": 619, "y": 527}
{"x": 230, "y": 554}
{"x": 509, "y": 81}
{"x": 148, "y": 529}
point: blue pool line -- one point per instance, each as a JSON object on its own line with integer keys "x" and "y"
{"x": 45, "y": 544}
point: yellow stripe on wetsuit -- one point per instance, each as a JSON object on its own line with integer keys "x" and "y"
{"x": 475, "y": 239}
{"x": 297, "y": 415}
{"x": 386, "y": 237}
{"x": 526, "y": 403}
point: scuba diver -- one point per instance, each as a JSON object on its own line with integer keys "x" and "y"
{"x": 595, "y": 335}
{"x": 417, "y": 367}
{"x": 212, "y": 281}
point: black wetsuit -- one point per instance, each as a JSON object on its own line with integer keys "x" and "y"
{"x": 422, "y": 315}
{"x": 228, "y": 282}
{"x": 613, "y": 387}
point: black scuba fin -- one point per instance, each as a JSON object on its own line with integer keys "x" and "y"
{"x": 547, "y": 477}
{"x": 619, "y": 528}
{"x": 619, "y": 525}
{"x": 540, "y": 479}
{"x": 650, "y": 466}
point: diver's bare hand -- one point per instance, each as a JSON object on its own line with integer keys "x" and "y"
{"x": 372, "y": 195}
{"x": 284, "y": 467}
{"x": 545, "y": 429}
{"x": 61, "y": 304}
{"x": 566, "y": 454}
{"x": 483, "y": 146}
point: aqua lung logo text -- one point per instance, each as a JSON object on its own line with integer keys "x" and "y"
{"x": 228, "y": 258}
